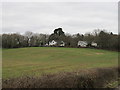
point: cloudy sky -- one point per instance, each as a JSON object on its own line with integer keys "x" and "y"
{"x": 73, "y": 17}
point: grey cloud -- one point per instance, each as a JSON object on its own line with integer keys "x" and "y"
{"x": 45, "y": 17}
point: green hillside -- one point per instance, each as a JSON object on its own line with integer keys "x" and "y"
{"x": 40, "y": 60}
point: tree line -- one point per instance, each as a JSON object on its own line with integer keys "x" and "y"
{"x": 104, "y": 39}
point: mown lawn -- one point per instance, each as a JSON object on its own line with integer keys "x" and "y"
{"x": 39, "y": 60}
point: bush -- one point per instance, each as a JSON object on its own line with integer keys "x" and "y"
{"x": 92, "y": 78}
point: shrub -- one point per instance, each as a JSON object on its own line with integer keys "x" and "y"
{"x": 92, "y": 78}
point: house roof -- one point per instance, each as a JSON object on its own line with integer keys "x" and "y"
{"x": 58, "y": 41}
{"x": 82, "y": 41}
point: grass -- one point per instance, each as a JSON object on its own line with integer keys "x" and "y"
{"x": 35, "y": 61}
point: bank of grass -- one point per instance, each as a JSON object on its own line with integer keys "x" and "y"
{"x": 35, "y": 61}
{"x": 89, "y": 78}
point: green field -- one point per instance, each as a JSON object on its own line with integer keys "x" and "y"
{"x": 40, "y": 60}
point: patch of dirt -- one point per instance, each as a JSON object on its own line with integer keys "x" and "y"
{"x": 99, "y": 53}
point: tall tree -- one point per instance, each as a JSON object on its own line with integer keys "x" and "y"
{"x": 57, "y": 35}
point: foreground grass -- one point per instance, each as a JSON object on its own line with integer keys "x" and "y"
{"x": 36, "y": 61}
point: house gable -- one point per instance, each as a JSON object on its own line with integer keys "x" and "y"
{"x": 82, "y": 43}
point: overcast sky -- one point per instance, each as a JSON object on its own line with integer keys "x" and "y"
{"x": 73, "y": 17}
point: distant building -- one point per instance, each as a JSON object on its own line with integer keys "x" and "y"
{"x": 46, "y": 44}
{"x": 94, "y": 44}
{"x": 82, "y": 43}
{"x": 29, "y": 40}
{"x": 57, "y": 43}
{"x": 62, "y": 44}
{"x": 53, "y": 43}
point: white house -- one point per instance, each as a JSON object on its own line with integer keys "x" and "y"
{"x": 82, "y": 43}
{"x": 46, "y": 44}
{"x": 62, "y": 44}
{"x": 29, "y": 40}
{"x": 94, "y": 44}
{"x": 57, "y": 43}
{"x": 52, "y": 43}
